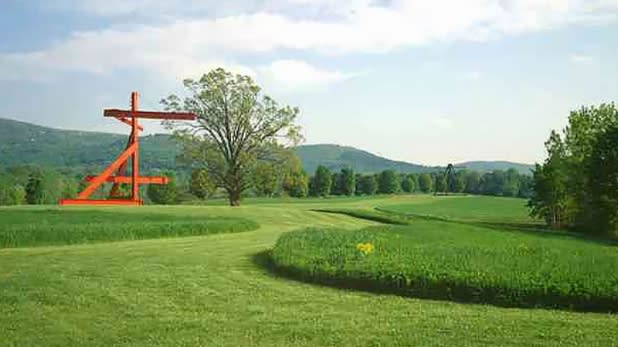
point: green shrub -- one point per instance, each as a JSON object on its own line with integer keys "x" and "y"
{"x": 164, "y": 194}
{"x": 465, "y": 263}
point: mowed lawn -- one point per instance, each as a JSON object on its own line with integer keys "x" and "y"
{"x": 468, "y": 209}
{"x": 212, "y": 290}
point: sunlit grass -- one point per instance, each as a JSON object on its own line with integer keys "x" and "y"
{"x": 213, "y": 290}
{"x": 450, "y": 261}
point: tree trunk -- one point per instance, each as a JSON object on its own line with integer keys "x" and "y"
{"x": 234, "y": 195}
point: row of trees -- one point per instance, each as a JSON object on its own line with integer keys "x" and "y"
{"x": 346, "y": 182}
{"x": 34, "y": 185}
{"x": 577, "y": 185}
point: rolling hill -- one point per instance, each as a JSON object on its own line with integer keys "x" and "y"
{"x": 24, "y": 143}
{"x": 336, "y": 157}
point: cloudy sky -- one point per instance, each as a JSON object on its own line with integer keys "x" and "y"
{"x": 423, "y": 81}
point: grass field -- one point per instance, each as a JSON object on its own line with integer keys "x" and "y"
{"x": 214, "y": 290}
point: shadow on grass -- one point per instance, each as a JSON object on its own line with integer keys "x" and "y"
{"x": 379, "y": 216}
{"x": 440, "y": 290}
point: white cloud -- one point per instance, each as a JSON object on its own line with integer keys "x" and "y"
{"x": 299, "y": 74}
{"x": 182, "y": 46}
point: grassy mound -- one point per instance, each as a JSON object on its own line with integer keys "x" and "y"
{"x": 27, "y": 228}
{"x": 459, "y": 262}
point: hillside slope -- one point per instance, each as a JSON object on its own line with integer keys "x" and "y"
{"x": 24, "y": 143}
{"x": 336, "y": 157}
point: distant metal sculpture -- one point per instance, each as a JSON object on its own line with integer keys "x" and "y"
{"x": 119, "y": 165}
{"x": 449, "y": 177}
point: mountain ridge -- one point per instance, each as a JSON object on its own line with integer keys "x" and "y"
{"x": 23, "y": 143}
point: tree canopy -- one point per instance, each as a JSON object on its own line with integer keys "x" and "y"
{"x": 576, "y": 185}
{"x": 237, "y": 127}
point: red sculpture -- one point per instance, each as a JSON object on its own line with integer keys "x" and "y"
{"x": 119, "y": 165}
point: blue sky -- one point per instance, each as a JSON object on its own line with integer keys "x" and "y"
{"x": 428, "y": 82}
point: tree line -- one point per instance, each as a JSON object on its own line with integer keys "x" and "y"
{"x": 346, "y": 182}
{"x": 27, "y": 184}
{"x": 36, "y": 185}
{"x": 577, "y": 185}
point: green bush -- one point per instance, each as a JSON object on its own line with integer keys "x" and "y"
{"x": 458, "y": 262}
{"x": 164, "y": 194}
{"x": 27, "y": 228}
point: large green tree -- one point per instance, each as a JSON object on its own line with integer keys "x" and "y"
{"x": 237, "y": 126}
{"x": 569, "y": 186}
{"x": 586, "y": 125}
{"x": 550, "y": 200}
{"x": 600, "y": 208}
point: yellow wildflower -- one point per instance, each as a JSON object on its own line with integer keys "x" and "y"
{"x": 365, "y": 248}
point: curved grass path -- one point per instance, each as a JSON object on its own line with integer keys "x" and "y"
{"x": 209, "y": 291}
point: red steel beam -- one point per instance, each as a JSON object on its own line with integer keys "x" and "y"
{"x": 116, "y": 113}
{"x": 128, "y": 179}
{"x": 135, "y": 155}
{"x": 95, "y": 183}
